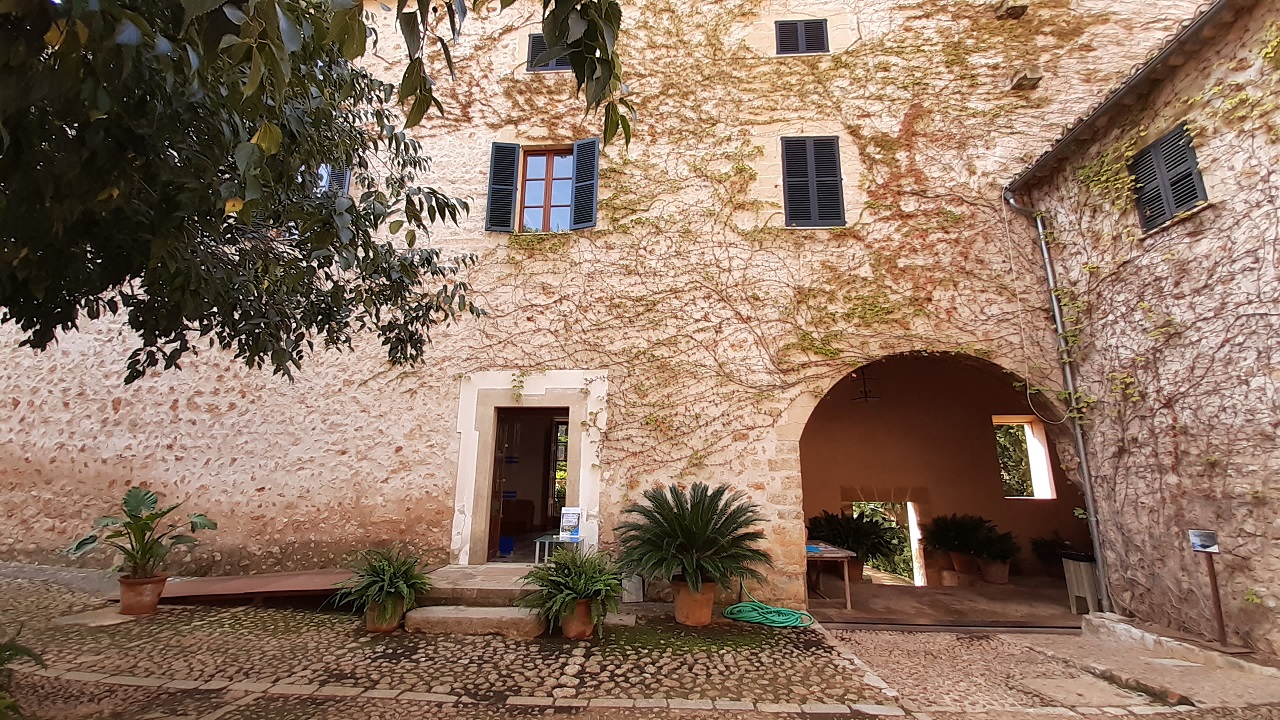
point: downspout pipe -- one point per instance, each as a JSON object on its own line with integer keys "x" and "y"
{"x": 1069, "y": 383}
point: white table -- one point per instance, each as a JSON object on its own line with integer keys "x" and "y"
{"x": 545, "y": 545}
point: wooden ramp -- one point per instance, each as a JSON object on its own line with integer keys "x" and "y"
{"x": 313, "y": 583}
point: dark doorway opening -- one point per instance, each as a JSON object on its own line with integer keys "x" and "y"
{"x": 531, "y": 450}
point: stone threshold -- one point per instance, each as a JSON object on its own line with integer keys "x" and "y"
{"x": 349, "y": 691}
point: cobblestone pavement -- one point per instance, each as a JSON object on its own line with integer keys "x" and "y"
{"x": 252, "y": 662}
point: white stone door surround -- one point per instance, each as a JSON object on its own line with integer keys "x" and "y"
{"x": 481, "y": 394}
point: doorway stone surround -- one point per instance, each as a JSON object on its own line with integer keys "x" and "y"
{"x": 584, "y": 392}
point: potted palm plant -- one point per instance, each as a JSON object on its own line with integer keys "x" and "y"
{"x": 697, "y": 539}
{"x": 995, "y": 551}
{"x": 959, "y": 536}
{"x": 871, "y": 537}
{"x": 386, "y": 585}
{"x": 576, "y": 589}
{"x": 143, "y": 546}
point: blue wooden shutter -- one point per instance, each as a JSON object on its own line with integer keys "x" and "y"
{"x": 813, "y": 36}
{"x": 812, "y": 187}
{"x": 788, "y": 32}
{"x": 504, "y": 173}
{"x": 537, "y": 46}
{"x": 1167, "y": 179}
{"x": 586, "y": 175}
{"x": 795, "y": 37}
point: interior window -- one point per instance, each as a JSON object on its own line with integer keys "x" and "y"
{"x": 1023, "y": 451}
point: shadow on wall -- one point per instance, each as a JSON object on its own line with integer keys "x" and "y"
{"x": 919, "y": 428}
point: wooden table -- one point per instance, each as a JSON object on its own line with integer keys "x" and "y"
{"x": 820, "y": 552}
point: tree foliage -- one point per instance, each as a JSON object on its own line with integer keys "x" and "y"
{"x": 162, "y": 159}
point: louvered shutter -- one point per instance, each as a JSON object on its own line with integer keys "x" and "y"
{"x": 813, "y": 34}
{"x": 586, "y": 175}
{"x": 788, "y": 36}
{"x": 537, "y": 46}
{"x": 812, "y": 187}
{"x": 795, "y": 37}
{"x": 1167, "y": 179}
{"x": 340, "y": 178}
{"x": 504, "y": 165}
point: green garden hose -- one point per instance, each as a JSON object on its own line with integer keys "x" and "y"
{"x": 754, "y": 611}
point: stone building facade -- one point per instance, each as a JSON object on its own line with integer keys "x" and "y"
{"x": 688, "y": 335}
{"x": 1175, "y": 327}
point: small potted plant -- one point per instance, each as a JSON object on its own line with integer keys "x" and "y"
{"x": 575, "y": 590}
{"x": 386, "y": 585}
{"x": 995, "y": 552}
{"x": 959, "y": 537}
{"x": 143, "y": 546}
{"x": 869, "y": 536}
{"x": 696, "y": 538}
{"x": 11, "y": 650}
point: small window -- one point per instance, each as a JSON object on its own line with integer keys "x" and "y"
{"x": 1167, "y": 179}
{"x": 546, "y": 200}
{"x": 812, "y": 189}
{"x": 335, "y": 178}
{"x": 800, "y": 37}
{"x": 1022, "y": 449}
{"x": 542, "y": 189}
{"x": 537, "y": 46}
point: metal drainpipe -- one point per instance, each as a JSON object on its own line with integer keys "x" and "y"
{"x": 1069, "y": 381}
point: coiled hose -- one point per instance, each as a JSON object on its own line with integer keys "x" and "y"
{"x": 754, "y": 611}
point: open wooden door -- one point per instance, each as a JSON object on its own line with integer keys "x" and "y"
{"x": 501, "y": 448}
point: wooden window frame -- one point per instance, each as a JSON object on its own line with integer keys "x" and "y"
{"x": 548, "y": 180}
{"x": 1039, "y": 461}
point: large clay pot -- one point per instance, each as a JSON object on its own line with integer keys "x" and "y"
{"x": 964, "y": 562}
{"x": 855, "y": 570}
{"x": 140, "y": 596}
{"x": 694, "y": 609}
{"x": 994, "y": 571}
{"x": 577, "y": 625}
{"x": 393, "y": 619}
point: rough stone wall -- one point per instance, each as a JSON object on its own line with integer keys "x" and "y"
{"x": 719, "y": 328}
{"x": 1178, "y": 341}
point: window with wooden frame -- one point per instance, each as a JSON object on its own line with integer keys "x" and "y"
{"x": 546, "y": 197}
{"x": 1167, "y": 179}
{"x": 543, "y": 189}
{"x": 801, "y": 37}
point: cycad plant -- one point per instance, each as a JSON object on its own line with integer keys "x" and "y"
{"x": 570, "y": 576}
{"x": 696, "y": 535}
{"x": 872, "y": 537}
{"x": 387, "y": 581}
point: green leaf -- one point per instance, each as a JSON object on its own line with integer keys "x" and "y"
{"x": 199, "y": 522}
{"x": 138, "y": 501}
{"x": 182, "y": 540}
{"x": 255, "y": 74}
{"x": 83, "y": 545}
{"x": 289, "y": 34}
{"x": 395, "y": 226}
{"x": 234, "y": 15}
{"x": 195, "y": 8}
{"x": 268, "y": 138}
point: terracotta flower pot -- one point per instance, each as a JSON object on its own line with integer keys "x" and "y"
{"x": 964, "y": 562}
{"x": 392, "y": 622}
{"x": 694, "y": 609}
{"x": 577, "y": 625}
{"x": 140, "y": 596}
{"x": 995, "y": 572}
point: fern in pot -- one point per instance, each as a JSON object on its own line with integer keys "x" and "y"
{"x": 697, "y": 539}
{"x": 960, "y": 536}
{"x": 576, "y": 590}
{"x": 386, "y": 585}
{"x": 144, "y": 540}
{"x": 995, "y": 551}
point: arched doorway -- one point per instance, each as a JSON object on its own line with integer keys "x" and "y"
{"x": 918, "y": 436}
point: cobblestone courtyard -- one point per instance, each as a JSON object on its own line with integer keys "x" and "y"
{"x": 262, "y": 662}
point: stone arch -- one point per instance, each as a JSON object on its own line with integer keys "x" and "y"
{"x": 917, "y": 427}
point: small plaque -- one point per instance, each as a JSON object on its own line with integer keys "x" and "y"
{"x": 1204, "y": 541}
{"x": 570, "y": 522}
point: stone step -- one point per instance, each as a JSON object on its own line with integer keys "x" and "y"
{"x": 491, "y": 585}
{"x": 509, "y": 622}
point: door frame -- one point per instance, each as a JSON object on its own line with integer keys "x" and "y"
{"x": 481, "y": 394}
